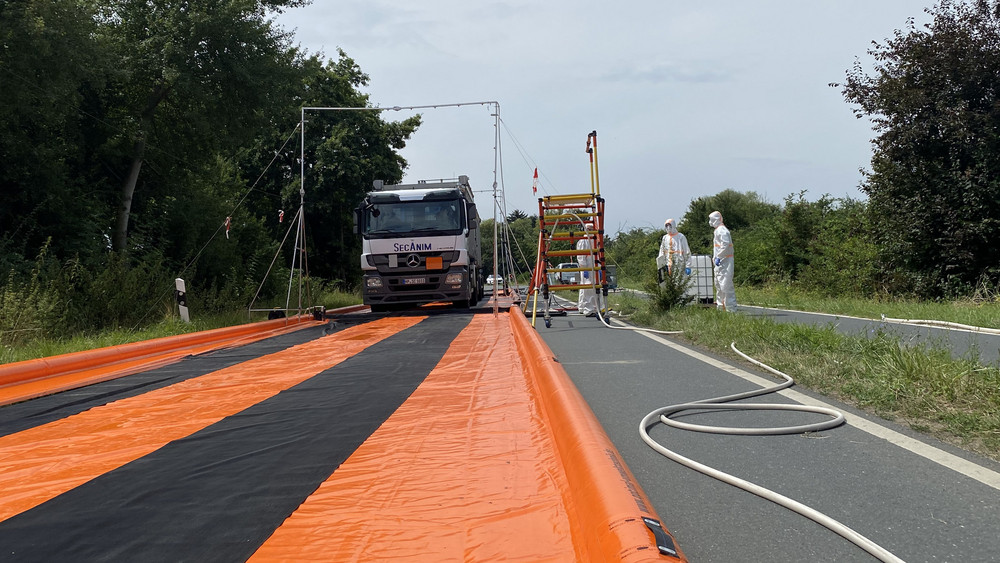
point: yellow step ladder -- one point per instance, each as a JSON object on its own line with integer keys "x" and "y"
{"x": 562, "y": 221}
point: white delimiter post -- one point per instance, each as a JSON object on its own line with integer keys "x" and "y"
{"x": 182, "y": 300}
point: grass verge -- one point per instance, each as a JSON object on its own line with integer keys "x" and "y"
{"x": 957, "y": 401}
{"x": 980, "y": 310}
{"x": 168, "y": 326}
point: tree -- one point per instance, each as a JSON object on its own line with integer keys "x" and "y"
{"x": 345, "y": 152}
{"x": 797, "y": 231}
{"x": 842, "y": 256}
{"x": 200, "y": 100}
{"x": 934, "y": 183}
{"x": 739, "y": 211}
{"x": 634, "y": 253}
{"x": 183, "y": 67}
{"x": 515, "y": 215}
{"x": 522, "y": 234}
{"x": 52, "y": 73}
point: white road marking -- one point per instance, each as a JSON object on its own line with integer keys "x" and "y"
{"x": 965, "y": 467}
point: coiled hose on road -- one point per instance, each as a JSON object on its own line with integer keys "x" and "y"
{"x": 662, "y": 415}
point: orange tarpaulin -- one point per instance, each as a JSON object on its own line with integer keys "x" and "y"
{"x": 469, "y": 469}
{"x": 462, "y": 471}
{"x": 490, "y": 454}
{"x": 48, "y": 460}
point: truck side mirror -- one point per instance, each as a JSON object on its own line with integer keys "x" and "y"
{"x": 357, "y": 221}
{"x": 470, "y": 209}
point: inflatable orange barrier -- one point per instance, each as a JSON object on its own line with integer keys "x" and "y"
{"x": 615, "y": 518}
{"x": 25, "y": 380}
{"x": 495, "y": 456}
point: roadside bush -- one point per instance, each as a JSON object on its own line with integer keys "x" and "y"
{"x": 757, "y": 263}
{"x": 671, "y": 292}
{"x": 27, "y": 311}
{"x": 842, "y": 259}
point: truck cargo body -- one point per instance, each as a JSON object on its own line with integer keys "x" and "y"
{"x": 420, "y": 244}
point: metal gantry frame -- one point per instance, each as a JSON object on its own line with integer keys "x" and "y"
{"x": 300, "y": 256}
{"x": 563, "y": 218}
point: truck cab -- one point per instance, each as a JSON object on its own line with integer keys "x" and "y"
{"x": 420, "y": 244}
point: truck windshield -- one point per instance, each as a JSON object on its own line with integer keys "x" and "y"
{"x": 408, "y": 217}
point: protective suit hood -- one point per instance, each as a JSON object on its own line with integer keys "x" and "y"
{"x": 670, "y": 227}
{"x": 714, "y": 219}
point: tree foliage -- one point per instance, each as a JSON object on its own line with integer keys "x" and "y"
{"x": 146, "y": 126}
{"x": 634, "y": 253}
{"x": 346, "y": 151}
{"x": 182, "y": 72}
{"x": 934, "y": 183}
{"x": 823, "y": 245}
{"x": 740, "y": 210}
{"x": 521, "y": 238}
{"x": 51, "y": 73}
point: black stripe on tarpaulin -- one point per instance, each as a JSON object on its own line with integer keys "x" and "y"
{"x": 218, "y": 494}
{"x": 42, "y": 410}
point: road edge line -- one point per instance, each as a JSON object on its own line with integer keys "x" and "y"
{"x": 958, "y": 464}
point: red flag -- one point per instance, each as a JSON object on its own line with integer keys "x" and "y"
{"x": 534, "y": 184}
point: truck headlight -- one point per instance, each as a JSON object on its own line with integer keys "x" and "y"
{"x": 373, "y": 282}
{"x": 452, "y": 279}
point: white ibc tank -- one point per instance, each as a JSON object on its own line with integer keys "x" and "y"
{"x": 702, "y": 284}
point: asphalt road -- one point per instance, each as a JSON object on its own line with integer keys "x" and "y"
{"x": 962, "y": 343}
{"x": 919, "y": 498}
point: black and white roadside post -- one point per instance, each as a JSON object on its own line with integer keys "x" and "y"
{"x": 182, "y": 300}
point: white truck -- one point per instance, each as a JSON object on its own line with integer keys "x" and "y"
{"x": 420, "y": 244}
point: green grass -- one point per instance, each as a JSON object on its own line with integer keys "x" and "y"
{"x": 982, "y": 309}
{"x": 44, "y": 347}
{"x": 922, "y": 386}
{"x": 168, "y": 326}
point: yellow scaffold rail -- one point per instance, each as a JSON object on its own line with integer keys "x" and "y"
{"x": 564, "y": 221}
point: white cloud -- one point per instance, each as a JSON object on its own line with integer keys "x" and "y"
{"x": 688, "y": 98}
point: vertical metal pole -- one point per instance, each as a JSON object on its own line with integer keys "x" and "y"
{"x": 302, "y": 251}
{"x": 300, "y": 228}
{"x": 302, "y": 154}
{"x": 295, "y": 255}
{"x": 597, "y": 176}
{"x": 496, "y": 141}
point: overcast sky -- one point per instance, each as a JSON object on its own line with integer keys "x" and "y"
{"x": 687, "y": 98}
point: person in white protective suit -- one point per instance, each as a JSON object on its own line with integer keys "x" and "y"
{"x": 674, "y": 245}
{"x": 587, "y": 300}
{"x": 722, "y": 257}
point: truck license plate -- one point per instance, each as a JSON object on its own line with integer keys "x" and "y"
{"x": 414, "y": 281}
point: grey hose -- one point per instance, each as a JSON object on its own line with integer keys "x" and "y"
{"x": 605, "y": 322}
{"x": 663, "y": 415}
{"x": 942, "y": 324}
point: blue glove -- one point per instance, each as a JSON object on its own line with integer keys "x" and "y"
{"x": 586, "y": 275}
{"x": 718, "y": 261}
{"x": 687, "y": 271}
